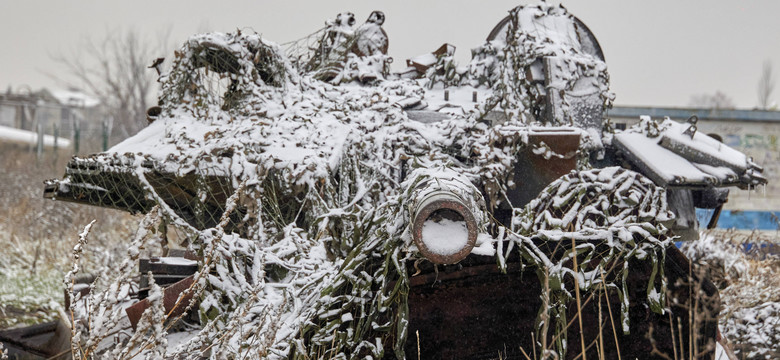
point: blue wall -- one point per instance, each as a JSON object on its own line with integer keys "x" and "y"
{"x": 742, "y": 220}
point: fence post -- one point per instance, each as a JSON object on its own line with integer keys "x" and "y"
{"x": 105, "y": 134}
{"x": 56, "y": 143}
{"x": 39, "y": 148}
{"x": 56, "y": 137}
{"x": 76, "y": 135}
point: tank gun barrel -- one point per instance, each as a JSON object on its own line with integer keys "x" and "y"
{"x": 445, "y": 218}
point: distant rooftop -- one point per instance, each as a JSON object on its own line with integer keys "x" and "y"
{"x": 49, "y": 97}
{"x": 703, "y": 114}
{"x": 75, "y": 98}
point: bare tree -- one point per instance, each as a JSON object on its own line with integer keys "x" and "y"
{"x": 718, "y": 100}
{"x": 115, "y": 70}
{"x": 766, "y": 84}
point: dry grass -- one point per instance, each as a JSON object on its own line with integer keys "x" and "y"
{"x": 749, "y": 289}
{"x": 37, "y": 236}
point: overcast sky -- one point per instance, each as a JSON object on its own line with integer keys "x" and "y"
{"x": 658, "y": 52}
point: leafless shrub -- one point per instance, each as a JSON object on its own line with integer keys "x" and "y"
{"x": 116, "y": 70}
{"x": 766, "y": 85}
{"x": 718, "y": 100}
{"x": 750, "y": 290}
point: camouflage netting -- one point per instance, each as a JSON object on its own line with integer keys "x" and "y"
{"x": 335, "y": 53}
{"x": 611, "y": 208}
{"x": 504, "y": 65}
{"x": 226, "y": 71}
{"x": 293, "y": 192}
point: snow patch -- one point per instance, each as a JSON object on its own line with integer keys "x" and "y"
{"x": 19, "y": 136}
{"x": 445, "y": 237}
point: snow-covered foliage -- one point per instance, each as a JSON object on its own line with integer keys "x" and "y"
{"x": 749, "y": 290}
{"x": 342, "y": 53}
{"x": 585, "y": 211}
{"x": 307, "y": 256}
{"x": 597, "y": 199}
{"x": 317, "y": 169}
{"x": 224, "y": 71}
{"x": 503, "y": 64}
{"x": 445, "y": 71}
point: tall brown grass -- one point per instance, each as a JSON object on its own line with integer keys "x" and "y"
{"x": 37, "y": 235}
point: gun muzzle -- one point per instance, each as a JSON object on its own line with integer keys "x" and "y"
{"x": 443, "y": 227}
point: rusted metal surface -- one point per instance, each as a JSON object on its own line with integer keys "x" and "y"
{"x": 533, "y": 172}
{"x": 429, "y": 208}
{"x": 170, "y": 295}
{"x": 477, "y": 312}
{"x": 422, "y": 66}
{"x": 462, "y": 273}
{"x": 49, "y": 340}
{"x": 164, "y": 271}
{"x": 477, "y": 316}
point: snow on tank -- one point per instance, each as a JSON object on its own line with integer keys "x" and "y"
{"x": 298, "y": 174}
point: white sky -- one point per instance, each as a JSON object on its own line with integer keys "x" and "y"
{"x": 659, "y": 52}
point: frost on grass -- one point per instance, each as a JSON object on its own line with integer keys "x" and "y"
{"x": 749, "y": 290}
{"x": 33, "y": 237}
{"x": 304, "y": 240}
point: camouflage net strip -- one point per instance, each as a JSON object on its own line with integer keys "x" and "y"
{"x": 613, "y": 215}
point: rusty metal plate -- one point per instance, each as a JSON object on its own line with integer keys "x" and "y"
{"x": 170, "y": 295}
{"x": 533, "y": 172}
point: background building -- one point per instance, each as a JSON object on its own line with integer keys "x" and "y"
{"x": 69, "y": 114}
